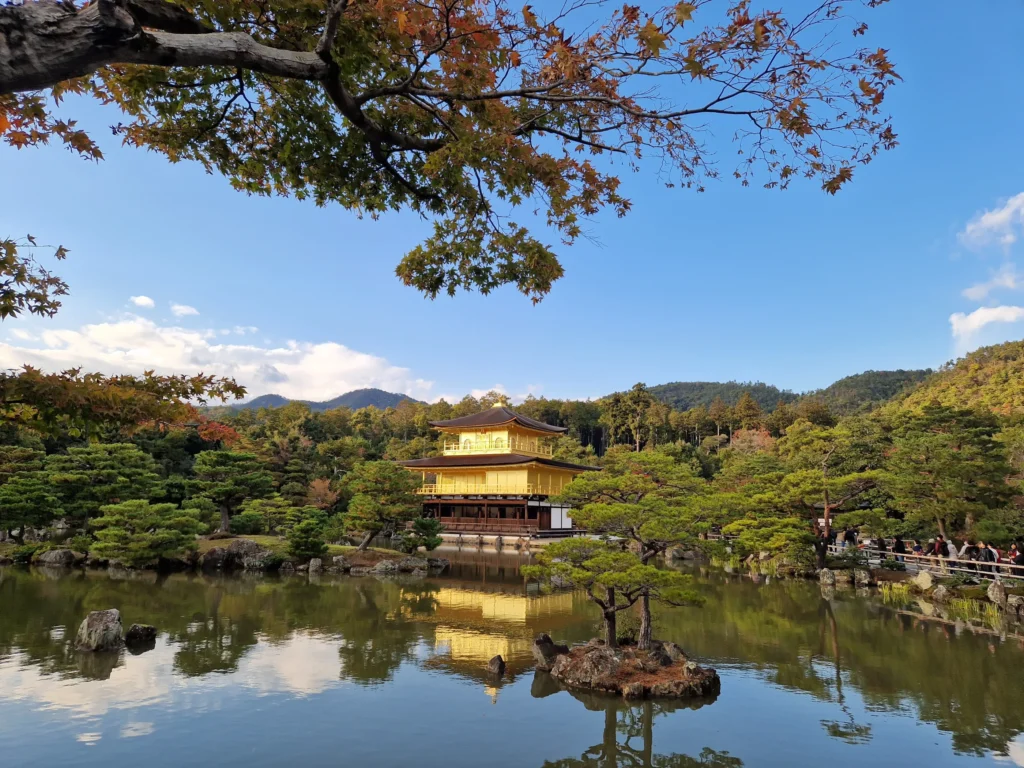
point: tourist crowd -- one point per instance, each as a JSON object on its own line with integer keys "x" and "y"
{"x": 971, "y": 555}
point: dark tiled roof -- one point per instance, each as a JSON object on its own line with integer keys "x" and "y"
{"x": 489, "y": 460}
{"x": 496, "y": 416}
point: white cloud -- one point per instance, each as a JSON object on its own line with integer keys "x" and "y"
{"x": 133, "y": 344}
{"x": 999, "y": 226}
{"x": 21, "y": 333}
{"x": 966, "y": 325}
{"x": 181, "y": 310}
{"x": 1005, "y": 277}
{"x": 143, "y": 301}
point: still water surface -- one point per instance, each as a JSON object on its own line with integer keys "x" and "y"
{"x": 359, "y": 671}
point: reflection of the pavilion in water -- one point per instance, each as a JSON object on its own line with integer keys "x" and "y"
{"x": 471, "y": 626}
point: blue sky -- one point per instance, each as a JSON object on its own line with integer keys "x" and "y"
{"x": 793, "y": 288}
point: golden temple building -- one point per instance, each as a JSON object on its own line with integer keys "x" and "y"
{"x": 496, "y": 474}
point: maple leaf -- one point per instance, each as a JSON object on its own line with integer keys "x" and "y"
{"x": 684, "y": 12}
{"x": 652, "y": 38}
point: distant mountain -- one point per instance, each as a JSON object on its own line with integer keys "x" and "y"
{"x": 683, "y": 395}
{"x": 990, "y": 377}
{"x": 356, "y": 399}
{"x": 863, "y": 391}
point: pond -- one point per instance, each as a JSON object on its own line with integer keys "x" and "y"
{"x": 258, "y": 670}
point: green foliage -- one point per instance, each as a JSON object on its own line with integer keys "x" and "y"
{"x": 790, "y": 537}
{"x": 27, "y": 501}
{"x": 270, "y": 515}
{"x": 862, "y": 392}
{"x": 248, "y": 523}
{"x": 383, "y": 497}
{"x": 23, "y": 553}
{"x": 228, "y": 479}
{"x": 89, "y": 477}
{"x": 946, "y": 466}
{"x": 80, "y": 544}
{"x": 425, "y": 533}
{"x": 683, "y": 395}
{"x": 306, "y": 541}
{"x": 990, "y": 378}
{"x": 648, "y": 497}
{"x": 138, "y": 533}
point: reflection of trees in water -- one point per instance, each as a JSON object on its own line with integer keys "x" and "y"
{"x": 963, "y": 684}
{"x": 378, "y": 635}
{"x": 628, "y": 735}
{"x": 849, "y": 731}
{"x": 959, "y": 683}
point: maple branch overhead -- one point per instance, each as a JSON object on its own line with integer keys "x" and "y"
{"x": 464, "y": 110}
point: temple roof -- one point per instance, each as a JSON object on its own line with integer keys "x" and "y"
{"x": 490, "y": 460}
{"x": 497, "y": 416}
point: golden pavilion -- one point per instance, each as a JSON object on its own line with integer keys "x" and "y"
{"x": 495, "y": 475}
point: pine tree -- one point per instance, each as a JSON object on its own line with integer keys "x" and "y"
{"x": 138, "y": 533}
{"x": 89, "y": 477}
{"x": 384, "y": 497}
{"x": 27, "y": 501}
{"x": 228, "y": 479}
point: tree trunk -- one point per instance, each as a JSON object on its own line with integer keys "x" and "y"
{"x": 644, "y": 640}
{"x": 225, "y": 519}
{"x": 611, "y": 621}
{"x": 366, "y": 541}
{"x": 46, "y": 43}
{"x": 942, "y": 526}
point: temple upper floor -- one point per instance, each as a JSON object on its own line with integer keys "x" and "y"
{"x": 495, "y": 431}
{"x": 495, "y": 441}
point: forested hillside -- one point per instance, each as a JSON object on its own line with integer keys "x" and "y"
{"x": 990, "y": 378}
{"x": 863, "y": 391}
{"x": 354, "y": 400}
{"x": 683, "y": 395}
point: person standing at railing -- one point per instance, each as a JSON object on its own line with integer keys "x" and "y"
{"x": 986, "y": 556}
{"x": 1017, "y": 555}
{"x": 899, "y": 548}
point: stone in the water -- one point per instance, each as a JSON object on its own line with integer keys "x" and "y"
{"x": 862, "y": 577}
{"x": 341, "y": 563}
{"x": 941, "y": 594}
{"x": 385, "y": 568}
{"x": 546, "y": 651}
{"x": 57, "y": 558}
{"x": 1015, "y": 605}
{"x": 496, "y": 666}
{"x": 923, "y": 581}
{"x": 287, "y": 567}
{"x": 827, "y": 577}
{"x": 410, "y": 564}
{"x": 214, "y": 559}
{"x": 140, "y": 638}
{"x": 438, "y": 563}
{"x": 997, "y": 593}
{"x": 358, "y": 570}
{"x": 101, "y": 631}
{"x": 316, "y": 565}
